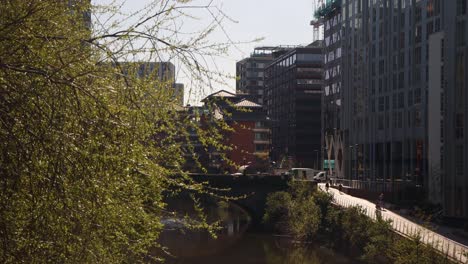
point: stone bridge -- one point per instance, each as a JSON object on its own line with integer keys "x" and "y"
{"x": 255, "y": 187}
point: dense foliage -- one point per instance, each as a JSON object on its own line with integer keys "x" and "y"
{"x": 295, "y": 213}
{"x": 86, "y": 151}
{"x": 346, "y": 229}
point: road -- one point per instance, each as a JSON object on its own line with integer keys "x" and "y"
{"x": 402, "y": 225}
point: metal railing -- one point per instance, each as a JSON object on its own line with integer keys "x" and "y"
{"x": 376, "y": 185}
{"x": 455, "y": 251}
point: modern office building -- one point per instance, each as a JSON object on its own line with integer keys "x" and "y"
{"x": 250, "y": 72}
{"x": 293, "y": 101}
{"x": 397, "y": 120}
{"x": 332, "y": 144}
{"x": 455, "y": 106}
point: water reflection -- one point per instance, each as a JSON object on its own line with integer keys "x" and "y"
{"x": 183, "y": 243}
{"x": 235, "y": 245}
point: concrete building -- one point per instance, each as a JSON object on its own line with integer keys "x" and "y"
{"x": 161, "y": 71}
{"x": 293, "y": 102}
{"x": 179, "y": 93}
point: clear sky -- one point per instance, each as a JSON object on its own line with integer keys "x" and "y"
{"x": 279, "y": 22}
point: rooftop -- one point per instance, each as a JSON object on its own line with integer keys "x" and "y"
{"x": 246, "y": 103}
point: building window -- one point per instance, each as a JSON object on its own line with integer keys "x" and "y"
{"x": 402, "y": 40}
{"x": 418, "y": 34}
{"x": 409, "y": 118}
{"x": 381, "y": 104}
{"x": 417, "y": 96}
{"x": 437, "y": 25}
{"x": 429, "y": 29}
{"x": 459, "y": 127}
{"x": 437, "y": 7}
{"x": 380, "y": 121}
{"x": 401, "y": 100}
{"x": 260, "y": 124}
{"x": 401, "y": 80}
{"x": 460, "y": 79}
{"x": 459, "y": 161}
{"x": 400, "y": 120}
{"x": 260, "y": 147}
{"x": 461, "y": 25}
{"x": 417, "y": 55}
{"x": 430, "y": 8}
{"x": 410, "y": 98}
{"x": 417, "y": 118}
{"x": 461, "y": 7}
{"x": 261, "y": 136}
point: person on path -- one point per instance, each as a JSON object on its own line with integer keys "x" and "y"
{"x": 381, "y": 197}
{"x": 327, "y": 186}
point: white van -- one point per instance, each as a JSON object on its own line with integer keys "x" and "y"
{"x": 320, "y": 176}
{"x": 303, "y": 173}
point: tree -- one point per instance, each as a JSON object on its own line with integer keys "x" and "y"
{"x": 295, "y": 212}
{"x": 82, "y": 176}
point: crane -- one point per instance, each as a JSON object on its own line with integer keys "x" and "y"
{"x": 317, "y": 22}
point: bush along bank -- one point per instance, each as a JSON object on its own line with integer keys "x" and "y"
{"x": 308, "y": 215}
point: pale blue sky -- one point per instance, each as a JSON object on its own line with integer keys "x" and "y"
{"x": 279, "y": 22}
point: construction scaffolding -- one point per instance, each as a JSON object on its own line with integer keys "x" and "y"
{"x": 327, "y": 9}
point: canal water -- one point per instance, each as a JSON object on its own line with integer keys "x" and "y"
{"x": 236, "y": 243}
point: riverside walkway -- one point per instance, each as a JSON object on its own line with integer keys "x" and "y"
{"x": 454, "y": 250}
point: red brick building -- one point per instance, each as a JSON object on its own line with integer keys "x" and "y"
{"x": 250, "y": 138}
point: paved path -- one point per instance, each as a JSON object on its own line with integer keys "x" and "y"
{"x": 404, "y": 226}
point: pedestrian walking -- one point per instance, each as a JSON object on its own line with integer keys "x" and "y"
{"x": 327, "y": 186}
{"x": 381, "y": 197}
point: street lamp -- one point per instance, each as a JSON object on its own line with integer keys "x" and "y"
{"x": 316, "y": 159}
{"x": 356, "y": 149}
{"x": 351, "y": 163}
{"x": 325, "y": 157}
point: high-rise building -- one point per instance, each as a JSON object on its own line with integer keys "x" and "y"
{"x": 332, "y": 145}
{"x": 250, "y": 72}
{"x": 293, "y": 101}
{"x": 395, "y": 121}
{"x": 455, "y": 105}
{"x": 162, "y": 71}
{"x": 179, "y": 93}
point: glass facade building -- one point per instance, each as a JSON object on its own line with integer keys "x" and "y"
{"x": 293, "y": 101}
{"x": 395, "y": 97}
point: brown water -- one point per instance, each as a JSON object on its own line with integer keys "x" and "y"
{"x": 235, "y": 244}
